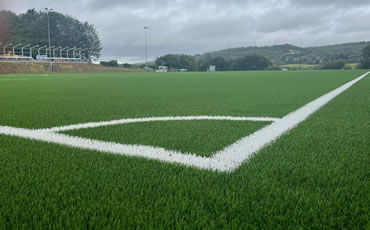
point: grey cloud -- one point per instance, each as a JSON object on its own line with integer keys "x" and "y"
{"x": 196, "y": 26}
{"x": 326, "y": 3}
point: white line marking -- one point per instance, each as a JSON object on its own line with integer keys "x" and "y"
{"x": 52, "y": 78}
{"x": 26, "y": 79}
{"x": 225, "y": 160}
{"x": 109, "y": 147}
{"x": 244, "y": 148}
{"x": 150, "y": 119}
{"x": 19, "y": 79}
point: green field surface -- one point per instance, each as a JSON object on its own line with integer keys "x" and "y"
{"x": 200, "y": 137}
{"x": 316, "y": 176}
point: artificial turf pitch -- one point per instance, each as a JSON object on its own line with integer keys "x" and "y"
{"x": 316, "y": 176}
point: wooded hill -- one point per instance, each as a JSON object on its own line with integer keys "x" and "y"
{"x": 290, "y": 54}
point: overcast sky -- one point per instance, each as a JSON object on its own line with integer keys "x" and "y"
{"x": 198, "y": 26}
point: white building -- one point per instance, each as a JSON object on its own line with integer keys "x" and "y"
{"x": 162, "y": 69}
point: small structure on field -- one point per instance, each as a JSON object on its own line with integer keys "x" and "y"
{"x": 212, "y": 68}
{"x": 162, "y": 69}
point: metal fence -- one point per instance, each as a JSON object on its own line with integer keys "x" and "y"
{"x": 28, "y": 53}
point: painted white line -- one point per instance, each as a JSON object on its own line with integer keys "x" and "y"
{"x": 53, "y": 78}
{"x": 151, "y": 119}
{"x": 27, "y": 79}
{"x": 19, "y": 79}
{"x": 240, "y": 151}
{"x": 109, "y": 147}
{"x": 225, "y": 160}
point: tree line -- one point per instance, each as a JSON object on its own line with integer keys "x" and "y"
{"x": 241, "y": 63}
{"x": 65, "y": 31}
{"x": 191, "y": 63}
{"x": 290, "y": 54}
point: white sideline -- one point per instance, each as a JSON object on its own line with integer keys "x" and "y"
{"x": 29, "y": 79}
{"x": 16, "y": 79}
{"x": 151, "y": 119}
{"x": 225, "y": 160}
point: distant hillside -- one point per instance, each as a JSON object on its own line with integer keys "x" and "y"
{"x": 290, "y": 54}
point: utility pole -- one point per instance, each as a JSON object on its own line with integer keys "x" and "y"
{"x": 146, "y": 49}
{"x": 51, "y": 63}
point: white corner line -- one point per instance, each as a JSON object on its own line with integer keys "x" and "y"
{"x": 151, "y": 119}
{"x": 226, "y": 160}
{"x": 241, "y": 150}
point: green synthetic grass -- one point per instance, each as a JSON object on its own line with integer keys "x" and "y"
{"x": 73, "y": 98}
{"x": 314, "y": 177}
{"x": 199, "y": 137}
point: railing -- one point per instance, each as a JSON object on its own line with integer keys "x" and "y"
{"x": 18, "y": 53}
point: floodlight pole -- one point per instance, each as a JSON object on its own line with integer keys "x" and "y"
{"x": 146, "y": 49}
{"x": 32, "y": 48}
{"x": 14, "y": 48}
{"x": 10, "y": 44}
{"x": 25, "y": 47}
{"x": 51, "y": 63}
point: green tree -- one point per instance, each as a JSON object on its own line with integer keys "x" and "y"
{"x": 112, "y": 63}
{"x": 250, "y": 62}
{"x": 334, "y": 65}
{"x": 64, "y": 31}
{"x": 8, "y": 25}
{"x": 177, "y": 61}
{"x": 204, "y": 62}
{"x": 220, "y": 63}
{"x": 365, "y": 58}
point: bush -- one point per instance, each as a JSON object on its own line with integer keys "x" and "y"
{"x": 334, "y": 65}
{"x": 109, "y": 63}
{"x": 250, "y": 62}
{"x": 365, "y": 58}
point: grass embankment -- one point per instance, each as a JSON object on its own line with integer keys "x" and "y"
{"x": 24, "y": 67}
{"x": 314, "y": 177}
